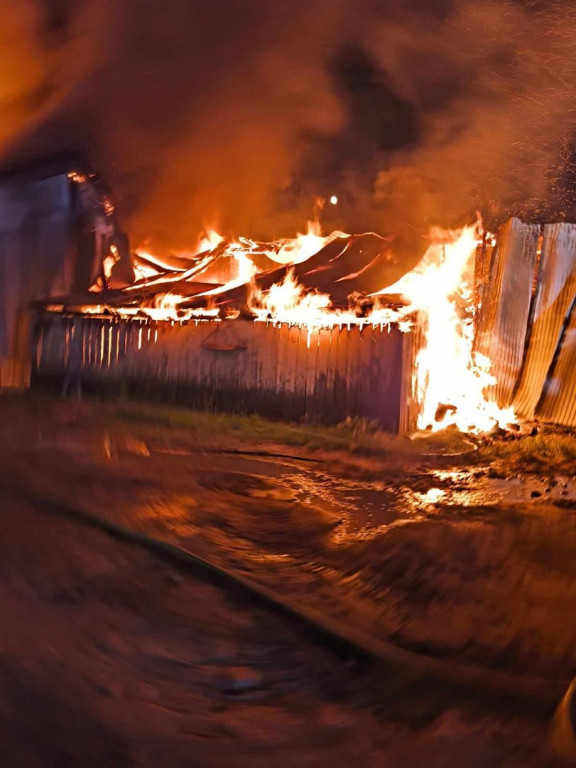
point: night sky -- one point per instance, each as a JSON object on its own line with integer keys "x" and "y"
{"x": 239, "y": 113}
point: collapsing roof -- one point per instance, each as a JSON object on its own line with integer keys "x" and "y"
{"x": 346, "y": 266}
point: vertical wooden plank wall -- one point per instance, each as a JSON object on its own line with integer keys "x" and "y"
{"x": 238, "y": 365}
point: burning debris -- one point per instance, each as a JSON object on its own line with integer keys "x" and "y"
{"x": 488, "y": 323}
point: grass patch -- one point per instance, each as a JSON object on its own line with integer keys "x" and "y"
{"x": 541, "y": 453}
{"x": 355, "y": 436}
{"x": 250, "y": 428}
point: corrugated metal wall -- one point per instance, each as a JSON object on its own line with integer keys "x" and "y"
{"x": 239, "y": 366}
{"x": 504, "y": 318}
{"x": 556, "y": 285}
{"x": 525, "y": 325}
{"x": 558, "y": 404}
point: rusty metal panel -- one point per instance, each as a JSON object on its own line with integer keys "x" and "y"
{"x": 555, "y": 293}
{"x": 504, "y": 315}
{"x": 558, "y": 404}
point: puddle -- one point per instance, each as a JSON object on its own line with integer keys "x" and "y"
{"x": 466, "y": 490}
{"x": 364, "y": 507}
{"x": 432, "y": 496}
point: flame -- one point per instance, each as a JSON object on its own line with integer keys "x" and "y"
{"x": 209, "y": 241}
{"x": 288, "y": 302}
{"x": 450, "y": 378}
{"x": 167, "y": 307}
{"x": 79, "y": 178}
{"x": 303, "y": 246}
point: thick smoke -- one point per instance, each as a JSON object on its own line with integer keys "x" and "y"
{"x": 240, "y": 112}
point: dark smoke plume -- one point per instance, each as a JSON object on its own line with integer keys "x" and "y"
{"x": 240, "y": 112}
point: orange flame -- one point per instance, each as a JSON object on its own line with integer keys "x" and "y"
{"x": 450, "y": 378}
{"x": 209, "y": 241}
{"x": 300, "y": 248}
{"x": 288, "y": 302}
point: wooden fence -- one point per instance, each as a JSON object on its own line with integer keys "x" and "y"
{"x": 244, "y": 366}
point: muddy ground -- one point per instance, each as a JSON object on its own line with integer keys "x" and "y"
{"x": 110, "y": 657}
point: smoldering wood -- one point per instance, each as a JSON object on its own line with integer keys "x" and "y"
{"x": 237, "y": 366}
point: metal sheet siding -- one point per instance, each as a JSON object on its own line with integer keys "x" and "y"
{"x": 504, "y": 315}
{"x": 558, "y": 405}
{"x": 555, "y": 293}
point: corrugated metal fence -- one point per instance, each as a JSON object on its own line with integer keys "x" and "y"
{"x": 527, "y": 324}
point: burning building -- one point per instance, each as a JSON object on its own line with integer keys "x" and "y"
{"x": 260, "y": 342}
{"x": 317, "y": 328}
{"x": 286, "y": 102}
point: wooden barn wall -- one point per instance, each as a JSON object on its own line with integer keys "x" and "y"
{"x": 503, "y": 322}
{"x": 238, "y": 366}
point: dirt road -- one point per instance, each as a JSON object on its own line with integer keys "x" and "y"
{"x": 110, "y": 656}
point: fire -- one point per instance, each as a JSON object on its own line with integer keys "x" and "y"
{"x": 450, "y": 378}
{"x": 300, "y": 248}
{"x": 167, "y": 307}
{"x": 78, "y": 178}
{"x": 288, "y": 302}
{"x": 209, "y": 241}
{"x": 451, "y": 381}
